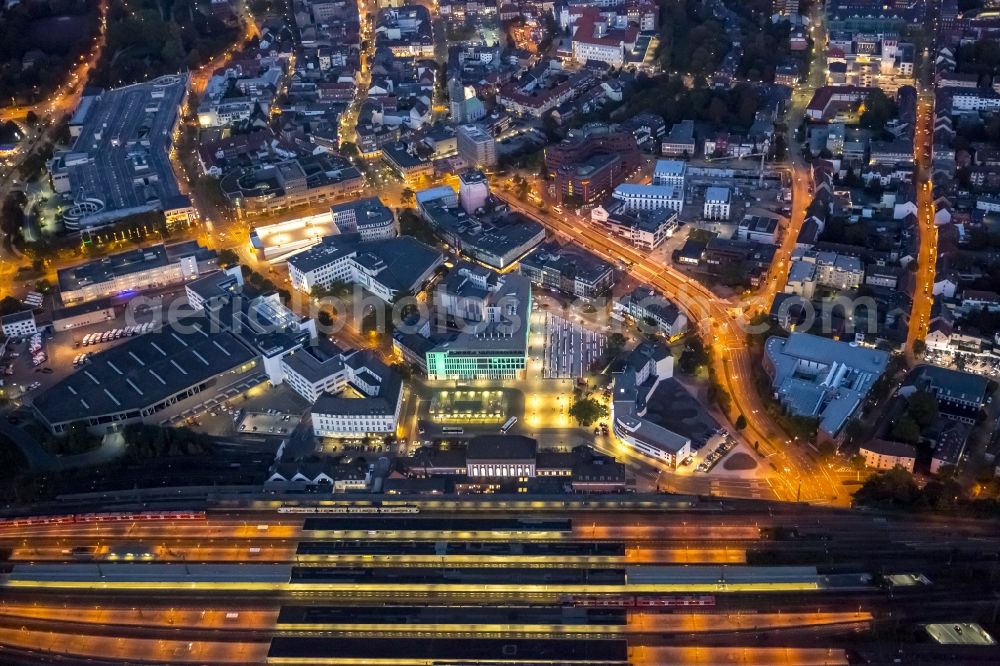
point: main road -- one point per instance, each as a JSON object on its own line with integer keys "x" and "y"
{"x": 923, "y": 292}
{"x": 799, "y": 476}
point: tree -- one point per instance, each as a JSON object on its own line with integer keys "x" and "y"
{"x": 922, "y": 408}
{"x": 616, "y": 343}
{"x": 878, "y": 109}
{"x": 853, "y": 431}
{"x": 10, "y": 305}
{"x": 693, "y": 358}
{"x": 349, "y": 149}
{"x": 905, "y": 429}
{"x": 895, "y": 487}
{"x": 741, "y": 422}
{"x": 411, "y": 224}
{"x": 228, "y": 258}
{"x": 586, "y": 411}
{"x": 826, "y": 449}
{"x": 858, "y": 462}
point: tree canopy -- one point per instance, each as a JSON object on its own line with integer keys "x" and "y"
{"x": 587, "y": 411}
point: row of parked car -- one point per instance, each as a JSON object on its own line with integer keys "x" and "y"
{"x": 115, "y": 334}
{"x": 38, "y": 355}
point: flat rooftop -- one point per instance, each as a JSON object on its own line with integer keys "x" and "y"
{"x": 121, "y": 156}
{"x": 548, "y": 616}
{"x": 143, "y": 371}
{"x": 409, "y": 650}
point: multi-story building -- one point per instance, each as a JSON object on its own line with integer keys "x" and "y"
{"x": 473, "y": 191}
{"x": 490, "y": 234}
{"x": 596, "y": 38}
{"x": 649, "y": 307}
{"x": 891, "y": 152}
{"x": 758, "y": 228}
{"x": 644, "y": 229}
{"x": 839, "y": 271}
{"x": 18, "y": 324}
{"x": 368, "y": 217}
{"x": 386, "y": 268}
{"x": 501, "y": 456}
{"x": 650, "y": 197}
{"x": 119, "y": 164}
{"x": 406, "y": 31}
{"x": 569, "y": 268}
{"x": 631, "y": 394}
{"x": 588, "y": 163}
{"x": 495, "y": 348}
{"x": 785, "y": 7}
{"x": 405, "y": 161}
{"x": 374, "y": 414}
{"x": 589, "y": 181}
{"x": 717, "y": 203}
{"x": 960, "y": 395}
{"x": 134, "y": 271}
{"x": 978, "y": 100}
{"x": 476, "y": 146}
{"x": 881, "y": 454}
{"x": 680, "y": 141}
{"x": 822, "y": 378}
{"x": 830, "y": 101}
{"x": 291, "y": 183}
{"x": 670, "y": 172}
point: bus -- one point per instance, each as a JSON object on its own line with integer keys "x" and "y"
{"x": 452, "y": 430}
{"x": 508, "y": 425}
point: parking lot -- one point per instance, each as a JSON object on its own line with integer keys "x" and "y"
{"x": 979, "y": 364}
{"x": 569, "y": 349}
{"x": 63, "y": 351}
{"x": 271, "y": 422}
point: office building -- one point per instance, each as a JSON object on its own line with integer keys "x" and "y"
{"x": 679, "y": 142}
{"x": 670, "y": 172}
{"x": 645, "y": 367}
{"x": 822, "y": 378}
{"x": 496, "y": 348}
{"x": 271, "y": 188}
{"x": 568, "y": 268}
{"x": 492, "y": 235}
{"x": 758, "y": 228}
{"x": 368, "y": 217}
{"x": 650, "y": 197}
{"x": 717, "y": 203}
{"x": 649, "y": 308}
{"x": 590, "y": 162}
{"x": 134, "y": 271}
{"x": 644, "y": 229}
{"x": 386, "y": 268}
{"x": 476, "y": 146}
{"x": 376, "y": 397}
{"x": 881, "y": 454}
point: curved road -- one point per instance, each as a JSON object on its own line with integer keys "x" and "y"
{"x": 799, "y": 476}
